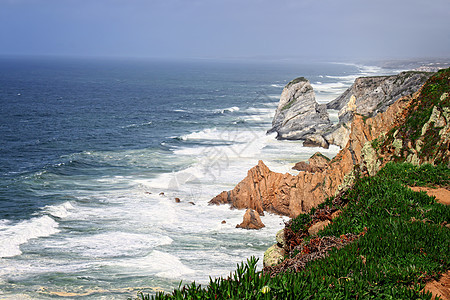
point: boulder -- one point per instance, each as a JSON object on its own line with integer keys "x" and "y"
{"x": 273, "y": 256}
{"x": 315, "y": 140}
{"x": 304, "y": 166}
{"x": 316, "y": 163}
{"x": 251, "y": 220}
{"x": 281, "y": 241}
{"x": 338, "y": 135}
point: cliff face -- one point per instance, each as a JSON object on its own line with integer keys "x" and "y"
{"x": 369, "y": 96}
{"x": 298, "y": 114}
{"x": 415, "y": 128}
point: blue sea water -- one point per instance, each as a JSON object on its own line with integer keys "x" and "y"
{"x": 94, "y": 152}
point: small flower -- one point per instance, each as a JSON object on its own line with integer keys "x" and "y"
{"x": 265, "y": 289}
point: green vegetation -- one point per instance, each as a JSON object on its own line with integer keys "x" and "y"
{"x": 405, "y": 243}
{"x": 296, "y": 80}
{"x": 321, "y": 155}
{"x": 430, "y": 97}
{"x": 434, "y": 96}
{"x": 288, "y": 105}
{"x": 403, "y": 76}
{"x": 411, "y": 175}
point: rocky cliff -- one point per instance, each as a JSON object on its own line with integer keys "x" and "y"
{"x": 369, "y": 96}
{"x": 414, "y": 128}
{"x": 300, "y": 117}
{"x": 298, "y": 114}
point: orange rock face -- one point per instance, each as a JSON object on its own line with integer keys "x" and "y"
{"x": 289, "y": 195}
{"x": 251, "y": 220}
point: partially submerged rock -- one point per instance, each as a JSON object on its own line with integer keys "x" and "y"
{"x": 251, "y": 220}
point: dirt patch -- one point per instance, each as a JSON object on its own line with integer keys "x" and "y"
{"x": 440, "y": 288}
{"x": 442, "y": 195}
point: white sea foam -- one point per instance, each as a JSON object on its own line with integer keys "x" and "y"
{"x": 333, "y": 115}
{"x": 370, "y": 70}
{"x": 262, "y": 110}
{"x": 159, "y": 263}
{"x": 206, "y": 134}
{"x": 231, "y": 134}
{"x": 334, "y": 87}
{"x": 111, "y": 244}
{"x": 11, "y": 237}
{"x": 229, "y": 109}
{"x": 138, "y": 125}
{"x": 277, "y": 85}
{"x": 59, "y": 211}
{"x": 326, "y": 92}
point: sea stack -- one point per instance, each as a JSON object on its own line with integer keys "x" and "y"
{"x": 298, "y": 114}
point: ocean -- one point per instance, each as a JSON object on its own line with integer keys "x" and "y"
{"x": 93, "y": 154}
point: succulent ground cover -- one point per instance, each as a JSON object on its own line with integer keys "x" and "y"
{"x": 387, "y": 242}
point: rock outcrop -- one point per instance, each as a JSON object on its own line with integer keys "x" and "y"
{"x": 251, "y": 220}
{"x": 298, "y": 114}
{"x": 316, "y": 163}
{"x": 314, "y": 229}
{"x": 275, "y": 254}
{"x": 396, "y": 134}
{"x": 369, "y": 96}
{"x": 300, "y": 117}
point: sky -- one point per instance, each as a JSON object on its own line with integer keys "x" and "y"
{"x": 346, "y": 29}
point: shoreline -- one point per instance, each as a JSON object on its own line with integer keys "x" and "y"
{"x": 117, "y": 195}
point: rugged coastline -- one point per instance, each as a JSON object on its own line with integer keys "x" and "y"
{"x": 290, "y": 195}
{"x": 406, "y": 126}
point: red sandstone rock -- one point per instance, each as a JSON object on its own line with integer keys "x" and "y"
{"x": 304, "y": 166}
{"x": 251, "y": 220}
{"x": 318, "y": 161}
